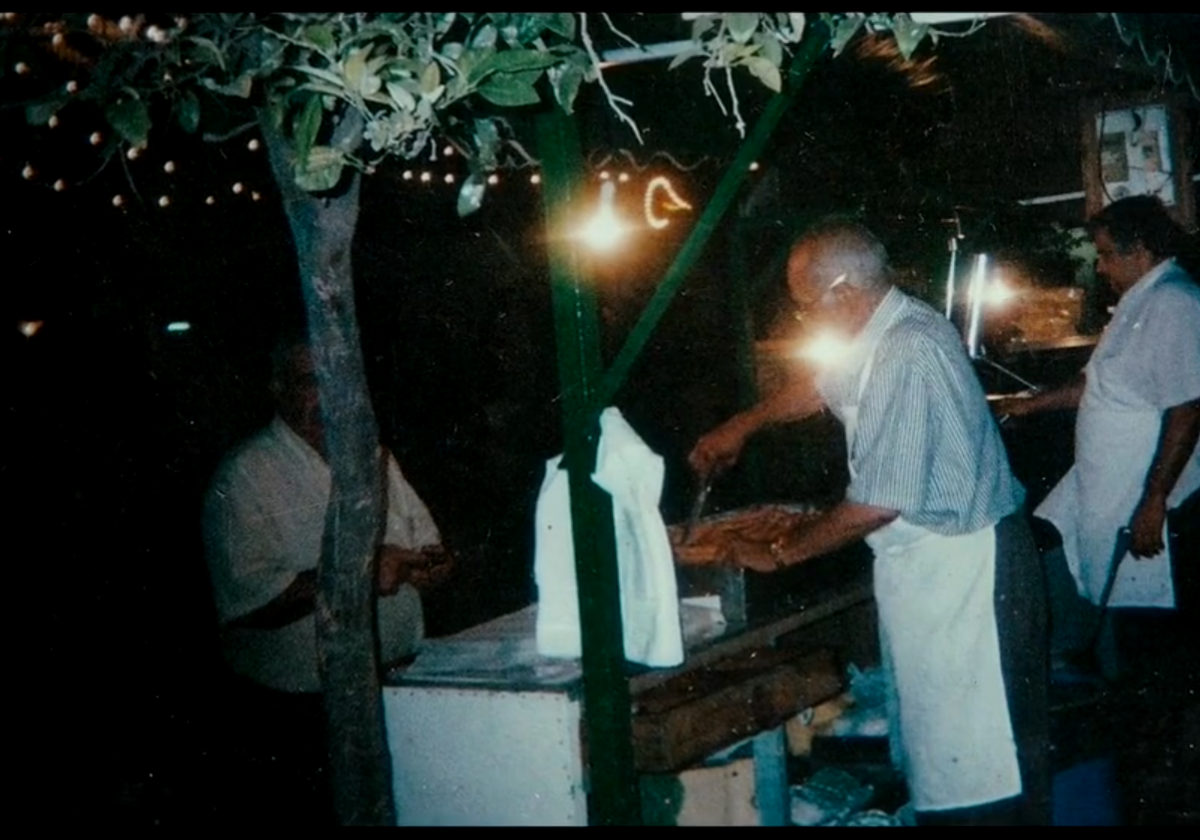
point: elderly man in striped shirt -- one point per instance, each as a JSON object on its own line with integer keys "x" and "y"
{"x": 957, "y": 579}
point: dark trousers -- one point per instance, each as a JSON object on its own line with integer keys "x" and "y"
{"x": 1021, "y": 622}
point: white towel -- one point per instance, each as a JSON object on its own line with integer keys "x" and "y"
{"x": 633, "y": 475}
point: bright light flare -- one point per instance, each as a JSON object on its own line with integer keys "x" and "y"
{"x": 826, "y": 349}
{"x": 605, "y": 229}
{"x": 999, "y": 294}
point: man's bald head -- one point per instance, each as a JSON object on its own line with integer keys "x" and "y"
{"x": 842, "y": 251}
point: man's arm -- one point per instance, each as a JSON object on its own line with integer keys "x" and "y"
{"x": 422, "y": 568}
{"x": 1063, "y": 398}
{"x": 838, "y": 527}
{"x": 720, "y": 449}
{"x": 1176, "y": 443}
{"x": 296, "y": 602}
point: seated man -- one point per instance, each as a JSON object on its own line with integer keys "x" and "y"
{"x": 264, "y": 519}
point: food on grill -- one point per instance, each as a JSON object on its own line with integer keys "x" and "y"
{"x": 718, "y": 539}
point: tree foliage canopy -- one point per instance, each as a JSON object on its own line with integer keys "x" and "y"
{"x": 395, "y": 82}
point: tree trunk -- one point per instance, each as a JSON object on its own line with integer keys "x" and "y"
{"x": 323, "y": 230}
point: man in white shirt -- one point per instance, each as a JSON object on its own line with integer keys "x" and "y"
{"x": 264, "y": 519}
{"x": 1139, "y": 420}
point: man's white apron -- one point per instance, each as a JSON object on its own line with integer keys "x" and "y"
{"x": 950, "y": 725}
{"x": 1115, "y": 442}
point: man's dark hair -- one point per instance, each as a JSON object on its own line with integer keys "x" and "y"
{"x": 1140, "y": 219}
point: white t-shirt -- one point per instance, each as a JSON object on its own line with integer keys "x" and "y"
{"x": 264, "y": 518}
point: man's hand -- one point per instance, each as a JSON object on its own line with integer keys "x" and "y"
{"x": 1008, "y": 407}
{"x": 1146, "y": 528}
{"x": 718, "y": 450}
{"x": 423, "y": 568}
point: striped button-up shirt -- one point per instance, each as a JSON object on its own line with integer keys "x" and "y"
{"x": 926, "y": 444}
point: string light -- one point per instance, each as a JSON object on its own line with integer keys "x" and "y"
{"x": 535, "y": 179}
{"x": 674, "y": 202}
{"x": 29, "y": 173}
{"x": 623, "y": 177}
{"x": 22, "y": 68}
{"x": 118, "y": 201}
{"x": 53, "y": 121}
{"x": 211, "y": 200}
{"x": 134, "y": 152}
{"x": 169, "y": 167}
{"x": 493, "y": 179}
{"x": 408, "y": 175}
{"x": 605, "y": 175}
{"x": 60, "y": 185}
{"x": 29, "y": 328}
{"x": 96, "y": 139}
{"x": 256, "y": 195}
{"x": 426, "y": 177}
{"x": 164, "y": 201}
{"x": 58, "y": 40}
{"x": 448, "y": 151}
{"x": 239, "y": 188}
{"x": 254, "y": 145}
{"x": 449, "y": 179}
{"x": 754, "y": 167}
{"x": 72, "y": 87}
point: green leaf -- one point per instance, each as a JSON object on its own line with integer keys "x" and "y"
{"x": 206, "y": 50}
{"x": 765, "y": 72}
{"x": 533, "y": 24}
{"x": 130, "y": 118}
{"x": 431, "y": 79}
{"x": 485, "y": 38}
{"x": 562, "y": 24}
{"x": 513, "y": 61}
{"x": 470, "y": 197}
{"x": 684, "y": 57}
{"x": 566, "y": 81}
{"x": 323, "y": 170}
{"x": 511, "y": 90}
{"x": 354, "y": 69}
{"x": 306, "y": 129}
{"x": 909, "y": 35}
{"x": 403, "y": 98}
{"x": 240, "y": 87}
{"x": 845, "y": 31}
{"x": 771, "y": 48}
{"x": 702, "y": 25}
{"x": 742, "y": 25}
{"x": 320, "y": 35}
{"x": 187, "y": 111}
{"x": 487, "y": 144}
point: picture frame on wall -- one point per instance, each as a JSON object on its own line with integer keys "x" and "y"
{"x": 1137, "y": 148}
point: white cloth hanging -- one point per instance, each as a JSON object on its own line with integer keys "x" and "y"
{"x": 632, "y": 474}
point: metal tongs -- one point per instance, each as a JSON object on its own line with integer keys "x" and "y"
{"x": 705, "y": 486}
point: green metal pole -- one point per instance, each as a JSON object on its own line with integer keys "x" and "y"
{"x": 811, "y": 48}
{"x": 613, "y": 797}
